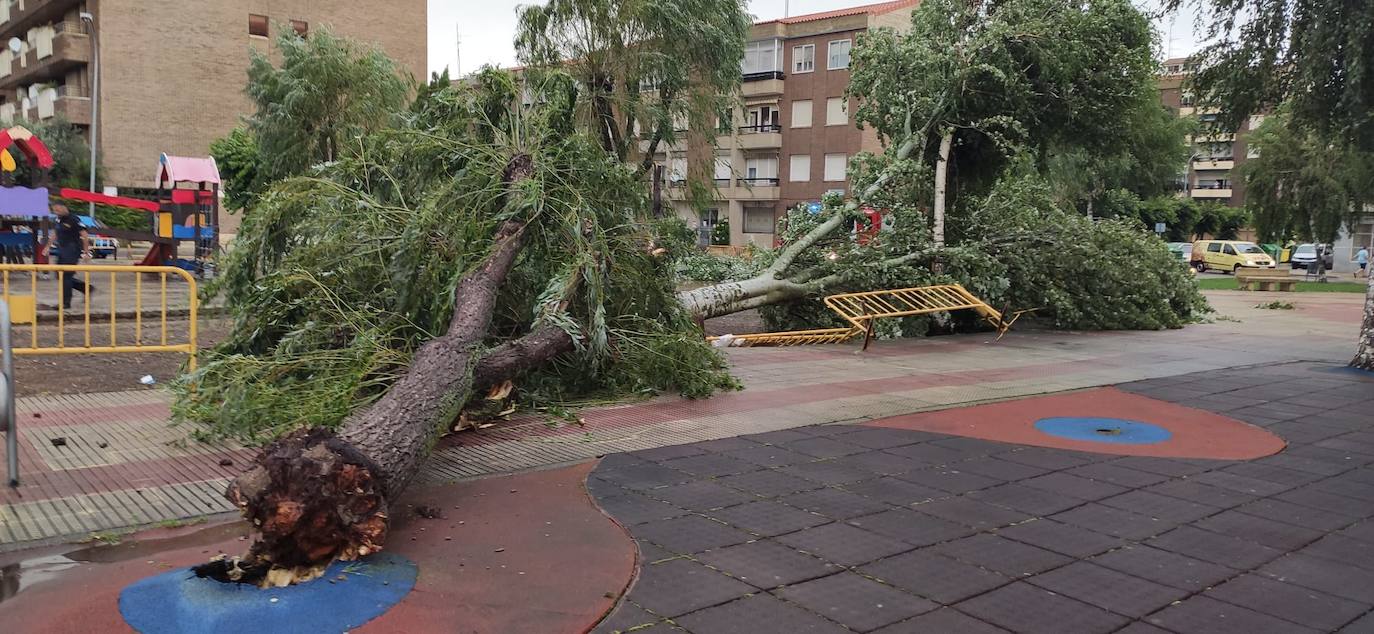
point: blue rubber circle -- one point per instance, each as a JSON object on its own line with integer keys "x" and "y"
{"x": 349, "y": 594}
{"x": 1106, "y": 430}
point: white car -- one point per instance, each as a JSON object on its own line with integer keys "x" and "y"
{"x": 1184, "y": 251}
{"x": 1304, "y": 255}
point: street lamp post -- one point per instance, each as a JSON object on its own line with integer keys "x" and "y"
{"x": 89, "y": 19}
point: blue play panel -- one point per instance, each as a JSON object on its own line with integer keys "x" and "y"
{"x": 178, "y": 601}
{"x": 1105, "y": 430}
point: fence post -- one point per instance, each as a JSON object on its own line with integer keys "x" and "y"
{"x": 7, "y": 396}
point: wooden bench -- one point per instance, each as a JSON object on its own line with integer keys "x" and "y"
{"x": 1265, "y": 280}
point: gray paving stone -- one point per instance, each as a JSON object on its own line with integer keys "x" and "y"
{"x": 1022, "y": 607}
{"x": 1141, "y": 627}
{"x": 1108, "y": 589}
{"x": 844, "y": 544}
{"x": 834, "y": 503}
{"x": 642, "y": 477}
{"x": 1241, "y": 483}
{"x": 711, "y": 465}
{"x": 911, "y": 527}
{"x": 1164, "y": 466}
{"x": 1074, "y": 486}
{"x": 1026, "y": 499}
{"x": 632, "y": 508}
{"x": 690, "y": 534}
{"x": 1201, "y": 493}
{"x": 1011, "y": 558}
{"x": 1006, "y": 470}
{"x": 883, "y": 463}
{"x": 1049, "y": 459}
{"x": 1298, "y": 515}
{"x": 942, "y": 621}
{"x": 777, "y": 437}
{"x": 758, "y": 613}
{"x": 935, "y": 576}
{"x": 1363, "y": 531}
{"x": 724, "y": 445}
{"x": 1341, "y": 485}
{"x": 970, "y": 512}
{"x": 1288, "y": 601}
{"x": 659, "y": 454}
{"x": 1345, "y": 581}
{"x": 1205, "y": 615}
{"x": 680, "y": 586}
{"x": 1160, "y": 506}
{"x": 769, "y": 456}
{"x": 883, "y": 438}
{"x": 1331, "y": 502}
{"x": 829, "y": 472}
{"x": 949, "y": 479}
{"x": 1214, "y": 547}
{"x": 1120, "y": 476}
{"x": 1260, "y": 530}
{"x": 1170, "y": 569}
{"x": 1273, "y": 473}
{"x": 824, "y": 447}
{"x": 860, "y": 604}
{"x": 1299, "y": 463}
{"x": 702, "y": 495}
{"x": 768, "y": 483}
{"x": 768, "y": 518}
{"x": 625, "y": 617}
{"x": 767, "y": 564}
{"x": 1362, "y": 625}
{"x": 929, "y": 453}
{"x": 1342, "y": 549}
{"x": 894, "y": 491}
{"x": 1064, "y": 539}
{"x": 619, "y": 460}
{"x": 1114, "y": 521}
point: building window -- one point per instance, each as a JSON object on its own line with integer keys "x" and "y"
{"x": 723, "y": 170}
{"x": 761, "y": 170}
{"x": 836, "y": 111}
{"x": 257, "y": 25}
{"x": 804, "y": 58}
{"x": 758, "y": 219}
{"x": 677, "y": 171}
{"x": 799, "y": 168}
{"x": 836, "y": 166}
{"x": 801, "y": 113}
{"x": 839, "y": 54}
{"x": 764, "y": 56}
{"x": 761, "y": 119}
{"x": 301, "y": 27}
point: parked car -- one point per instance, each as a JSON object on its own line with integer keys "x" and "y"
{"x": 1184, "y": 251}
{"x": 1229, "y": 256}
{"x": 1305, "y": 255}
{"x": 101, "y": 246}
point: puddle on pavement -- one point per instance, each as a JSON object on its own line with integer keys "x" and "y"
{"x": 17, "y": 576}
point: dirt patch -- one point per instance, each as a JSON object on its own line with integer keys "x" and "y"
{"x": 737, "y": 324}
{"x": 81, "y": 373}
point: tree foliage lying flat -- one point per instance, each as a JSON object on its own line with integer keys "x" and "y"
{"x": 339, "y": 275}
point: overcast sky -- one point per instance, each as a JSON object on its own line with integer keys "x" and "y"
{"x": 485, "y": 28}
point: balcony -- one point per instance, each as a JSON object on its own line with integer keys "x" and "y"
{"x": 52, "y": 102}
{"x": 16, "y": 16}
{"x": 49, "y": 58}
{"x": 762, "y": 84}
{"x": 760, "y": 137}
{"x": 754, "y": 189}
{"x": 1211, "y": 193}
{"x": 1217, "y": 163}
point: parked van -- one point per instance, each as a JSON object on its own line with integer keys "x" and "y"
{"x": 1229, "y": 256}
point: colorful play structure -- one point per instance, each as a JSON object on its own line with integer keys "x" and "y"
{"x": 185, "y": 207}
{"x": 862, "y": 310}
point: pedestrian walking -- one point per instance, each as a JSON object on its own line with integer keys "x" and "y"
{"x": 73, "y": 247}
{"x": 1362, "y": 259}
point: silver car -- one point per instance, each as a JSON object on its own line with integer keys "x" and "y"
{"x": 1304, "y": 255}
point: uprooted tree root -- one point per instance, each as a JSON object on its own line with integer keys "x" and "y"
{"x": 314, "y": 499}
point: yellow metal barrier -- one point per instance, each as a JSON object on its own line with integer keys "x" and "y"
{"x": 30, "y": 298}
{"x": 861, "y": 310}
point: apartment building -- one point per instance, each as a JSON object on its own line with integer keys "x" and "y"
{"x": 1215, "y": 155}
{"x": 172, "y": 71}
{"x": 793, "y": 135}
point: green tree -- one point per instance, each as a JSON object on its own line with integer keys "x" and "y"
{"x": 327, "y": 93}
{"x": 641, "y": 65}
{"x": 239, "y": 164}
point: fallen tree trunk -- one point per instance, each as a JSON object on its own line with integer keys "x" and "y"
{"x": 1364, "y": 355}
{"x": 316, "y": 495}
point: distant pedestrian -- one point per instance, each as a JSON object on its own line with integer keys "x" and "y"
{"x": 73, "y": 246}
{"x": 1362, "y": 259}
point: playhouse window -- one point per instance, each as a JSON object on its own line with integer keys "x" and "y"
{"x": 301, "y": 27}
{"x": 257, "y": 25}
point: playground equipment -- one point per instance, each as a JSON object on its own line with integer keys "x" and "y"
{"x": 185, "y": 209}
{"x": 861, "y": 310}
{"x": 23, "y": 206}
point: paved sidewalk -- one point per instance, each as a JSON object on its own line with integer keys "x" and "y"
{"x": 147, "y": 473}
{"x": 873, "y": 529}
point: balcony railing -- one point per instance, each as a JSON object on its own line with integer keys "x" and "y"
{"x": 48, "y": 60}
{"x": 760, "y": 181}
{"x": 758, "y": 129}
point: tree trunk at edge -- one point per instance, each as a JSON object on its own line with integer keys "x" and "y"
{"x": 941, "y": 182}
{"x": 1364, "y": 356}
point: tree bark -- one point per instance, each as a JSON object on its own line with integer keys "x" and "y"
{"x": 941, "y": 182}
{"x": 1364, "y": 356}
{"x": 316, "y": 495}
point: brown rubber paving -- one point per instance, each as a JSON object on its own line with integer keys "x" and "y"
{"x": 522, "y": 553}
{"x": 1196, "y": 433}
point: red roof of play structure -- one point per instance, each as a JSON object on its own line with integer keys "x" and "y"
{"x": 185, "y": 169}
{"x": 31, "y": 145}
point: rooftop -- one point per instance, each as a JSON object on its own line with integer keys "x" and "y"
{"x": 869, "y": 9}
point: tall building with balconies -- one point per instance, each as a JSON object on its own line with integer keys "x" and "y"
{"x": 172, "y": 72}
{"x": 792, "y": 136}
{"x": 1215, "y": 154}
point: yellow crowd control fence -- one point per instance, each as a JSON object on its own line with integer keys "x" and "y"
{"x": 130, "y": 311}
{"x": 861, "y": 310}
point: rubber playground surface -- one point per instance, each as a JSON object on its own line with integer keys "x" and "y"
{"x": 1244, "y": 503}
